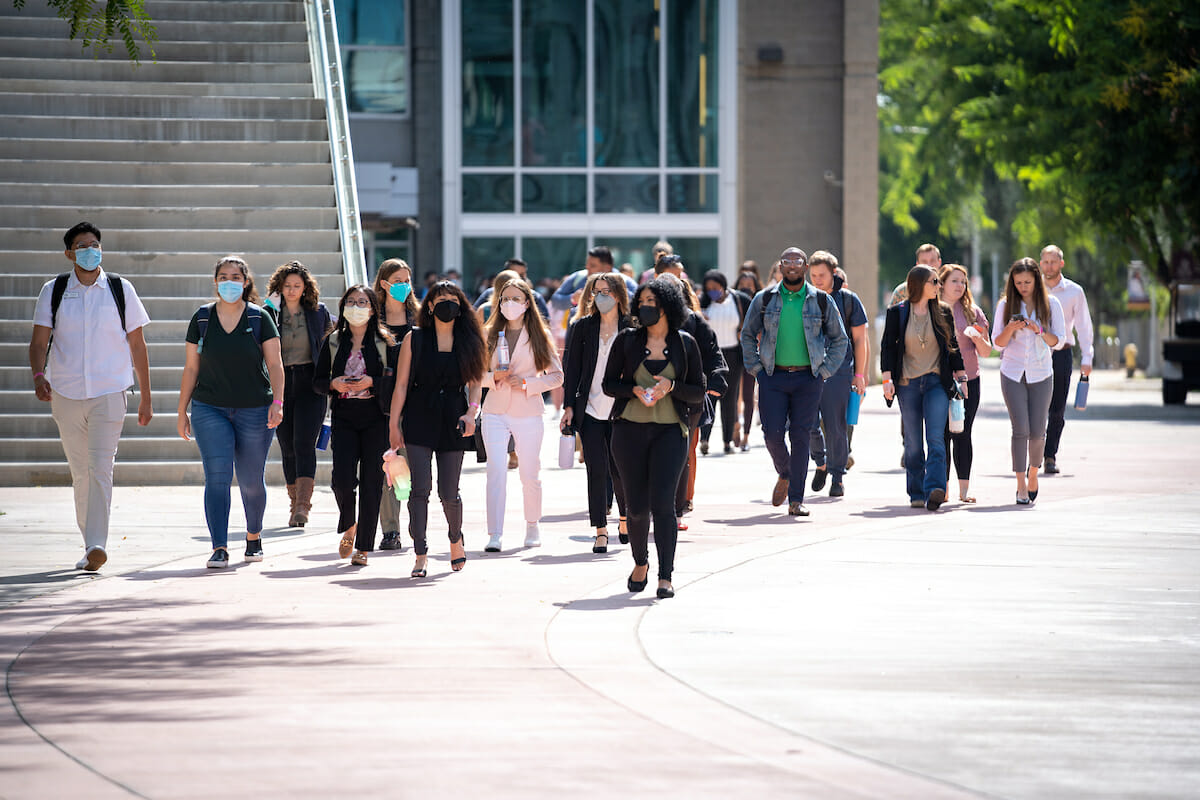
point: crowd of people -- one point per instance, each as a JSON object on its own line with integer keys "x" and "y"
{"x": 640, "y": 368}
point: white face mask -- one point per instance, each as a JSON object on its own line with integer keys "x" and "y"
{"x": 512, "y": 309}
{"x": 356, "y": 315}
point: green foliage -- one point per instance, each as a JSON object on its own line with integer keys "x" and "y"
{"x": 96, "y": 23}
{"x": 1043, "y": 120}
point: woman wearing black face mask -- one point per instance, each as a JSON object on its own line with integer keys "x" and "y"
{"x": 648, "y": 365}
{"x": 438, "y": 381}
{"x": 725, "y": 308}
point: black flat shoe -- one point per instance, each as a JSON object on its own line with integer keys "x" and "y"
{"x": 254, "y": 550}
{"x": 637, "y": 586}
{"x": 600, "y": 548}
{"x": 665, "y": 592}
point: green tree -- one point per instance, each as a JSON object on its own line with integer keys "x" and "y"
{"x": 96, "y": 23}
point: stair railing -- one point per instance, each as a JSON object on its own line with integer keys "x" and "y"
{"x": 329, "y": 83}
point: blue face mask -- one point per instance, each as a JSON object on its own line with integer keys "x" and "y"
{"x": 88, "y": 257}
{"x": 400, "y": 291}
{"x": 230, "y": 291}
{"x": 714, "y": 294}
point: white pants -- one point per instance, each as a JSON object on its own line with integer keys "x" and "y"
{"x": 527, "y": 436}
{"x": 89, "y": 430}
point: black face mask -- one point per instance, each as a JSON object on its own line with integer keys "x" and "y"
{"x": 648, "y": 315}
{"x": 446, "y": 310}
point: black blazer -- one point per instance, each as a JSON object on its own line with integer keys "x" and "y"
{"x": 579, "y": 361}
{"x": 891, "y": 351}
{"x": 333, "y": 365}
{"x": 628, "y": 353}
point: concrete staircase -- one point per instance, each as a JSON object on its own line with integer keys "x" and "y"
{"x": 219, "y": 147}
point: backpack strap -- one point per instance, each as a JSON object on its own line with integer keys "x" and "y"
{"x": 115, "y": 287}
{"x": 202, "y": 316}
{"x": 253, "y": 314}
{"x": 414, "y": 354}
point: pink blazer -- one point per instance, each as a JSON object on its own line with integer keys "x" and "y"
{"x": 503, "y": 399}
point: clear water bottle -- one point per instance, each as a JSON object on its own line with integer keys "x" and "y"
{"x": 958, "y": 410}
{"x": 502, "y": 354}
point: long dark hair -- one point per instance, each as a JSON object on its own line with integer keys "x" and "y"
{"x": 1012, "y": 298}
{"x": 312, "y": 293}
{"x": 373, "y": 324}
{"x": 918, "y": 276}
{"x": 468, "y": 334}
{"x": 386, "y": 270}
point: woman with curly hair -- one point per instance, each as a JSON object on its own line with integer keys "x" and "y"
{"x": 656, "y": 376}
{"x": 294, "y": 302}
{"x": 438, "y": 376}
{"x": 513, "y": 405}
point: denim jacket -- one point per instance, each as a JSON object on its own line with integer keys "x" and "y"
{"x": 824, "y": 332}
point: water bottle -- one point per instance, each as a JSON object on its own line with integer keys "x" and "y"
{"x": 323, "y": 436}
{"x": 395, "y": 469}
{"x": 852, "y": 407}
{"x": 958, "y": 411}
{"x": 1081, "y": 392}
{"x": 502, "y": 354}
{"x": 566, "y": 451}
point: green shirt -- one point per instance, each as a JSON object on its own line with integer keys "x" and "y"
{"x": 791, "y": 346}
{"x": 663, "y": 412}
{"x": 232, "y": 371}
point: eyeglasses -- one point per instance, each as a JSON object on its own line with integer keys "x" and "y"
{"x": 792, "y": 262}
{"x": 605, "y": 291}
{"x": 363, "y": 303}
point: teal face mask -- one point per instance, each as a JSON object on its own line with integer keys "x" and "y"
{"x": 400, "y": 291}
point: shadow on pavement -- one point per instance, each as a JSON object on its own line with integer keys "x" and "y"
{"x": 51, "y": 576}
{"x": 392, "y": 582}
{"x": 572, "y": 558}
{"x": 577, "y": 516}
{"x": 779, "y": 517}
{"x": 610, "y": 603}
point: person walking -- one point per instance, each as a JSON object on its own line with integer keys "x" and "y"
{"x": 831, "y": 449}
{"x": 971, "y": 331}
{"x": 512, "y": 265}
{"x": 523, "y": 363}
{"x": 793, "y": 340}
{"x": 724, "y": 309}
{"x": 394, "y": 290}
{"x": 294, "y": 302}
{"x": 656, "y": 378}
{"x": 1077, "y": 321}
{"x": 438, "y": 378}
{"x": 83, "y": 363}
{"x": 233, "y": 379}
{"x": 920, "y": 362}
{"x": 749, "y": 284}
{"x": 357, "y": 369}
{"x": 1029, "y": 323}
{"x": 587, "y": 410}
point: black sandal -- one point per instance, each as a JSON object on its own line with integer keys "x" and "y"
{"x": 622, "y": 535}
{"x": 456, "y": 564}
{"x": 597, "y": 547}
{"x": 419, "y": 572}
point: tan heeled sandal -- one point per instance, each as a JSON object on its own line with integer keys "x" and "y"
{"x": 359, "y": 559}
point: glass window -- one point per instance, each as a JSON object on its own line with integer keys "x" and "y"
{"x": 553, "y": 83}
{"x": 699, "y": 255}
{"x": 487, "y": 193}
{"x": 372, "y": 34}
{"x": 637, "y": 251}
{"x": 379, "y": 22}
{"x": 626, "y": 76}
{"x": 553, "y": 194}
{"x": 483, "y": 257}
{"x": 553, "y": 257}
{"x": 487, "y": 83}
{"x": 692, "y": 85}
{"x": 692, "y": 194}
{"x": 626, "y": 194}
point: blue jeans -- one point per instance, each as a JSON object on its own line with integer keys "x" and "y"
{"x": 788, "y": 403}
{"x": 833, "y": 448}
{"x": 924, "y": 406}
{"x": 232, "y": 439}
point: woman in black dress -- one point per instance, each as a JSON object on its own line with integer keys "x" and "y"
{"x": 438, "y": 377}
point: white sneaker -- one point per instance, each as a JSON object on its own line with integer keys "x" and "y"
{"x": 81, "y": 563}
{"x": 533, "y": 537}
{"x": 493, "y": 545}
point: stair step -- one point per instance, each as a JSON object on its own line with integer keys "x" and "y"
{"x": 120, "y": 240}
{"x": 200, "y": 71}
{"x": 122, "y": 195}
{"x": 102, "y": 106}
{"x": 164, "y": 353}
{"x": 144, "y": 87}
{"x": 247, "y": 219}
{"x": 133, "y": 448}
{"x": 162, "y": 10}
{"x": 164, "y": 399}
{"x": 50, "y": 262}
{"x": 196, "y": 284}
{"x": 171, "y": 31}
{"x": 166, "y": 129}
{"x": 195, "y": 152}
{"x": 42, "y": 426}
{"x": 36, "y": 47}
{"x": 12, "y": 378}
{"x": 141, "y": 473}
{"x": 166, "y": 173}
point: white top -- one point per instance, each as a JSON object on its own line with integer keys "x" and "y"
{"x": 1026, "y": 353}
{"x": 723, "y": 319}
{"x": 1076, "y": 315}
{"x": 89, "y": 356}
{"x": 599, "y": 404}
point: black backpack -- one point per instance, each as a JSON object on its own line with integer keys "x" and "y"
{"x": 60, "y": 287}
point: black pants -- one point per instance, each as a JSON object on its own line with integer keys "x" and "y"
{"x": 748, "y": 387}
{"x": 649, "y": 457}
{"x": 1064, "y": 365}
{"x": 596, "y": 437}
{"x": 959, "y": 449}
{"x": 303, "y": 413}
{"x": 420, "y": 467}
{"x": 729, "y": 400}
{"x": 360, "y": 436}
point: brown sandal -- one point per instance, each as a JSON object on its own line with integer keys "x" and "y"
{"x": 359, "y": 559}
{"x": 346, "y": 546}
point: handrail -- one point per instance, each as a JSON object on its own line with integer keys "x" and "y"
{"x": 328, "y": 81}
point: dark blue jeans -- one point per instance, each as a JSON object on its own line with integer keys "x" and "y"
{"x": 924, "y": 406}
{"x": 833, "y": 448}
{"x": 232, "y": 440}
{"x": 788, "y": 403}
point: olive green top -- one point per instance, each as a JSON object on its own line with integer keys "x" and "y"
{"x": 663, "y": 412}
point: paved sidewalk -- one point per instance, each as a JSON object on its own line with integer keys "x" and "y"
{"x": 869, "y": 651}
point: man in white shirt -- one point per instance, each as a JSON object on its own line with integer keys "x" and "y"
{"x": 87, "y": 344}
{"x": 1079, "y": 328}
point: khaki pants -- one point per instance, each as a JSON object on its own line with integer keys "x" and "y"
{"x": 89, "y": 430}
